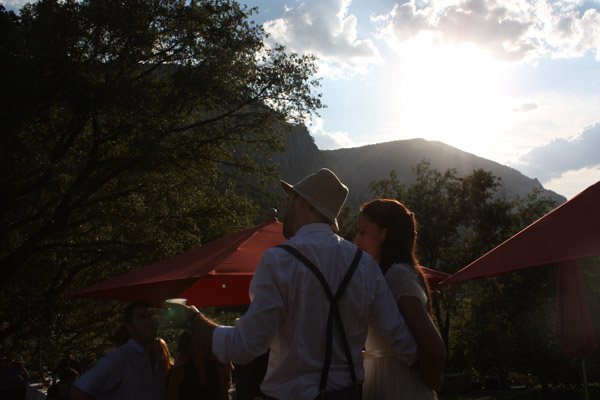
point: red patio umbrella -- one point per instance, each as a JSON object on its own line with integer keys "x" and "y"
{"x": 434, "y": 277}
{"x": 569, "y": 233}
{"x": 216, "y": 273}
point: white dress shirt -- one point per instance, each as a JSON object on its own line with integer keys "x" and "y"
{"x": 288, "y": 314}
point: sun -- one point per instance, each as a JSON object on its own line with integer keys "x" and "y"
{"x": 454, "y": 94}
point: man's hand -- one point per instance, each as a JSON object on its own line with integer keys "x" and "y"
{"x": 202, "y": 329}
{"x": 177, "y": 315}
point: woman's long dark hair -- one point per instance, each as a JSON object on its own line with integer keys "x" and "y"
{"x": 400, "y": 243}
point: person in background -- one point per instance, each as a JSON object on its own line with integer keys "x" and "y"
{"x": 197, "y": 374}
{"x": 69, "y": 361}
{"x": 135, "y": 370}
{"x": 162, "y": 350}
{"x": 248, "y": 377}
{"x": 388, "y": 231}
{"x": 315, "y": 339}
{"x": 13, "y": 379}
{"x": 61, "y": 389}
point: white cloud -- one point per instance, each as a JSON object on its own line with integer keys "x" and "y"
{"x": 14, "y": 5}
{"x": 526, "y": 107}
{"x": 326, "y": 29}
{"x": 511, "y": 30}
{"x": 572, "y": 182}
{"x": 328, "y": 140}
{"x": 553, "y": 160}
{"x": 406, "y": 21}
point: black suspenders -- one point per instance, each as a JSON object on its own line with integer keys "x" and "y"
{"x": 334, "y": 312}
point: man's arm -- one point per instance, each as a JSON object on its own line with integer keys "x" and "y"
{"x": 179, "y": 315}
{"x": 252, "y": 333}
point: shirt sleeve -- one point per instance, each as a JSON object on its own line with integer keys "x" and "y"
{"x": 389, "y": 324}
{"x": 253, "y": 333}
{"x": 101, "y": 378}
{"x": 403, "y": 281}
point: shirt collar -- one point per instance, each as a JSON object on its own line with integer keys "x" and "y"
{"x": 136, "y": 346}
{"x": 314, "y": 227}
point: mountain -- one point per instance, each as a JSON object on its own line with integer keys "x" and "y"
{"x": 359, "y": 166}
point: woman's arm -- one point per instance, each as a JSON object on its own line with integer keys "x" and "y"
{"x": 432, "y": 351}
{"x": 225, "y": 380}
{"x": 174, "y": 382}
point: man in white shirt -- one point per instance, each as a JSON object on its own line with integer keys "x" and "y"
{"x": 132, "y": 371}
{"x": 289, "y": 310}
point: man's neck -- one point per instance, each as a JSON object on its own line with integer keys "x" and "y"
{"x": 310, "y": 218}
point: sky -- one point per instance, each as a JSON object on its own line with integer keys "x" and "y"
{"x": 514, "y": 81}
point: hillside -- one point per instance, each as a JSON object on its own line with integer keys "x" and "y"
{"x": 359, "y": 166}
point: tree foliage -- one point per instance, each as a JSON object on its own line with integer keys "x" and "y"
{"x": 126, "y": 125}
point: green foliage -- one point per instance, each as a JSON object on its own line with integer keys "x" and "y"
{"x": 126, "y": 129}
{"x": 558, "y": 392}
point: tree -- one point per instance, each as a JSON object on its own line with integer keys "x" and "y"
{"x": 125, "y": 128}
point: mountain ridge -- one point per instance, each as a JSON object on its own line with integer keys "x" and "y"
{"x": 358, "y": 166}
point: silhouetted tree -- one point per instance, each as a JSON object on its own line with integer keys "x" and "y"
{"x": 124, "y": 124}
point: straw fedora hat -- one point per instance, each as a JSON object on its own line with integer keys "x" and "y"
{"x": 324, "y": 191}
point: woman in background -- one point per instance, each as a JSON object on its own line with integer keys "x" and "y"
{"x": 197, "y": 374}
{"x": 387, "y": 230}
{"x": 163, "y": 353}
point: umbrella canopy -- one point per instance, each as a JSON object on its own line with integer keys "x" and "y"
{"x": 216, "y": 273}
{"x": 434, "y": 277}
{"x": 569, "y": 232}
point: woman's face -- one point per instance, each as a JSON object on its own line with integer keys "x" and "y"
{"x": 369, "y": 237}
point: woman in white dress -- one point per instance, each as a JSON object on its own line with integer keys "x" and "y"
{"x": 387, "y": 230}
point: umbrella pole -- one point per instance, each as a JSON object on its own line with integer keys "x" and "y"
{"x": 585, "y": 385}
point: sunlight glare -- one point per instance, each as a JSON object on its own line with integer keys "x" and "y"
{"x": 451, "y": 94}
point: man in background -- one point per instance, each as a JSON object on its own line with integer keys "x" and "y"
{"x": 132, "y": 371}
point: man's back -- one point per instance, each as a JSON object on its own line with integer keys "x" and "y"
{"x": 289, "y": 306}
{"x": 289, "y": 309}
